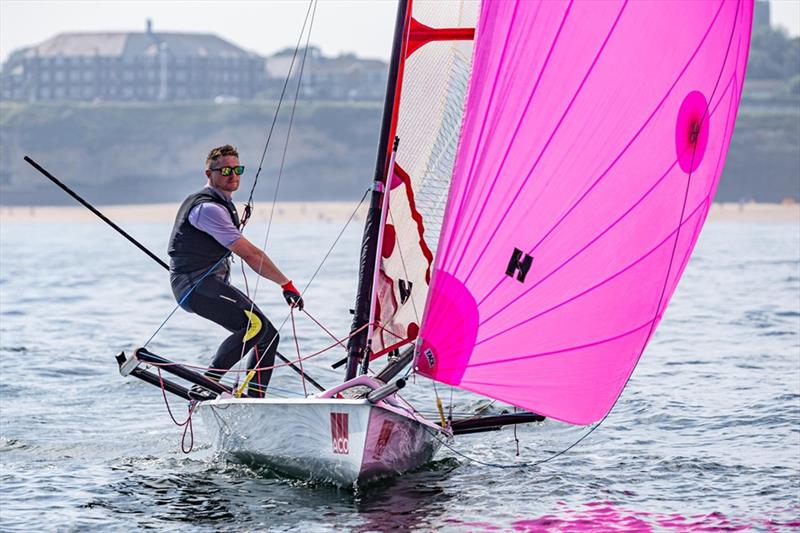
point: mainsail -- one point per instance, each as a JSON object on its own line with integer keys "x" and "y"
{"x": 593, "y": 138}
{"x": 429, "y": 103}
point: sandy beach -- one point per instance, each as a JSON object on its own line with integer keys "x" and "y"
{"x": 284, "y": 211}
{"x": 329, "y": 212}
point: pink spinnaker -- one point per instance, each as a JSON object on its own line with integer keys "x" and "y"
{"x": 593, "y": 138}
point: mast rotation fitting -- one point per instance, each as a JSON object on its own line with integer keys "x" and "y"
{"x": 377, "y": 186}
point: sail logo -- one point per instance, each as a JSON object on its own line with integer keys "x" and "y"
{"x": 405, "y": 290}
{"x": 430, "y": 358}
{"x": 340, "y": 434}
{"x": 518, "y": 265}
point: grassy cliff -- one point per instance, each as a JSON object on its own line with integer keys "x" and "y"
{"x": 131, "y": 153}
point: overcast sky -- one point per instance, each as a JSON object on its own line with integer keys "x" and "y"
{"x": 262, "y": 26}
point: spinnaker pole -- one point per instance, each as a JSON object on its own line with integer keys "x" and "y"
{"x": 91, "y": 208}
{"x": 369, "y": 245}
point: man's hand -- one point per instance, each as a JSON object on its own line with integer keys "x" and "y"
{"x": 292, "y": 295}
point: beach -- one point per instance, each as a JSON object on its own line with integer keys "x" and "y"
{"x": 284, "y": 211}
{"x": 330, "y": 212}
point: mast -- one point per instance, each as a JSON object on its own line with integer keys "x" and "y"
{"x": 369, "y": 243}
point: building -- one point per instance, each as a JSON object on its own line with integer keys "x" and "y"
{"x": 343, "y": 77}
{"x": 147, "y": 66}
{"x": 761, "y": 14}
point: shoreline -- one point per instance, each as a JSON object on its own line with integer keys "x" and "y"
{"x": 284, "y": 211}
{"x": 329, "y": 212}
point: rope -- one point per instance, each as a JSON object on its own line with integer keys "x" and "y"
{"x": 184, "y": 298}
{"x": 280, "y": 170}
{"x": 249, "y": 204}
{"x": 323, "y": 328}
{"x": 319, "y": 267}
{"x": 186, "y": 424}
{"x": 299, "y": 357}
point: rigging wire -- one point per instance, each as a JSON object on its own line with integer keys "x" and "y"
{"x": 322, "y": 263}
{"x": 249, "y": 205}
{"x": 278, "y": 182}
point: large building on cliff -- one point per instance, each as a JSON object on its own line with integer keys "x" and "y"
{"x": 145, "y": 66}
{"x": 155, "y": 66}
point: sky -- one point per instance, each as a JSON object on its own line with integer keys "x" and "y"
{"x": 263, "y": 26}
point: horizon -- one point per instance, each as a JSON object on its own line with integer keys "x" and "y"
{"x": 340, "y": 26}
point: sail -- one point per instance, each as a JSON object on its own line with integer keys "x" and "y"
{"x": 593, "y": 139}
{"x": 432, "y": 87}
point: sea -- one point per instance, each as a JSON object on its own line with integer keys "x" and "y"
{"x": 706, "y": 436}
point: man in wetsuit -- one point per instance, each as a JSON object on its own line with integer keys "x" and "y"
{"x": 205, "y": 233}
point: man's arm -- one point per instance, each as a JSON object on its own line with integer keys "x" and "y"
{"x": 258, "y": 260}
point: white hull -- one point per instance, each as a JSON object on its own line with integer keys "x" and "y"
{"x": 343, "y": 441}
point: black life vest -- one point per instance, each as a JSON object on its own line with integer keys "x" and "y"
{"x": 191, "y": 249}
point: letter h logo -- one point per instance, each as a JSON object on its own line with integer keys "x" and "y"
{"x": 517, "y": 263}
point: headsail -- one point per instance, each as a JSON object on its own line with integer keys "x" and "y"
{"x": 432, "y": 88}
{"x": 593, "y": 139}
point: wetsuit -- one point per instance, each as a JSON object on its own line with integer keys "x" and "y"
{"x": 206, "y": 224}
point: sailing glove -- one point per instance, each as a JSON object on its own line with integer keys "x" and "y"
{"x": 292, "y": 296}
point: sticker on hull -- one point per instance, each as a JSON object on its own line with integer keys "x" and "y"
{"x": 340, "y": 433}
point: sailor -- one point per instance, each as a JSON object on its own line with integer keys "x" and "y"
{"x": 206, "y": 231}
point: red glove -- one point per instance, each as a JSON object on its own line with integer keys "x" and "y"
{"x": 292, "y": 295}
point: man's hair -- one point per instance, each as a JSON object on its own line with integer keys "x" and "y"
{"x": 218, "y": 152}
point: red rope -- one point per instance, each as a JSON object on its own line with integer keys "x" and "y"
{"x": 187, "y": 424}
{"x": 299, "y": 357}
{"x": 227, "y": 370}
{"x": 331, "y": 335}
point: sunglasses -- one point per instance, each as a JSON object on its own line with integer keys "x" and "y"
{"x": 226, "y": 171}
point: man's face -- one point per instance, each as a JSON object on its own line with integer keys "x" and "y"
{"x": 227, "y": 183}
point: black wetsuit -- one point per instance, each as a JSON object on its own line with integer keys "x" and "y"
{"x": 199, "y": 266}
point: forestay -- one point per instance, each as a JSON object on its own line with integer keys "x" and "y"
{"x": 593, "y": 139}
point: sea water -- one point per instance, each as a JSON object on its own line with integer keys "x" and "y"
{"x": 706, "y": 434}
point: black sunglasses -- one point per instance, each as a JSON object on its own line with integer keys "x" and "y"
{"x": 226, "y": 171}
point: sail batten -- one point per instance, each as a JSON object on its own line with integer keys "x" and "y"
{"x": 585, "y": 170}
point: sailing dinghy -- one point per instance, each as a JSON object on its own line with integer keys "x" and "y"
{"x": 557, "y": 160}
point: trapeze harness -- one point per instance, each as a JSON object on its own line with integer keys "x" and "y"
{"x": 199, "y": 276}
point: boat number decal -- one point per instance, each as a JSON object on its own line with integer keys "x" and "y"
{"x": 405, "y": 290}
{"x": 517, "y": 263}
{"x": 430, "y": 358}
{"x": 383, "y": 438}
{"x": 340, "y": 433}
